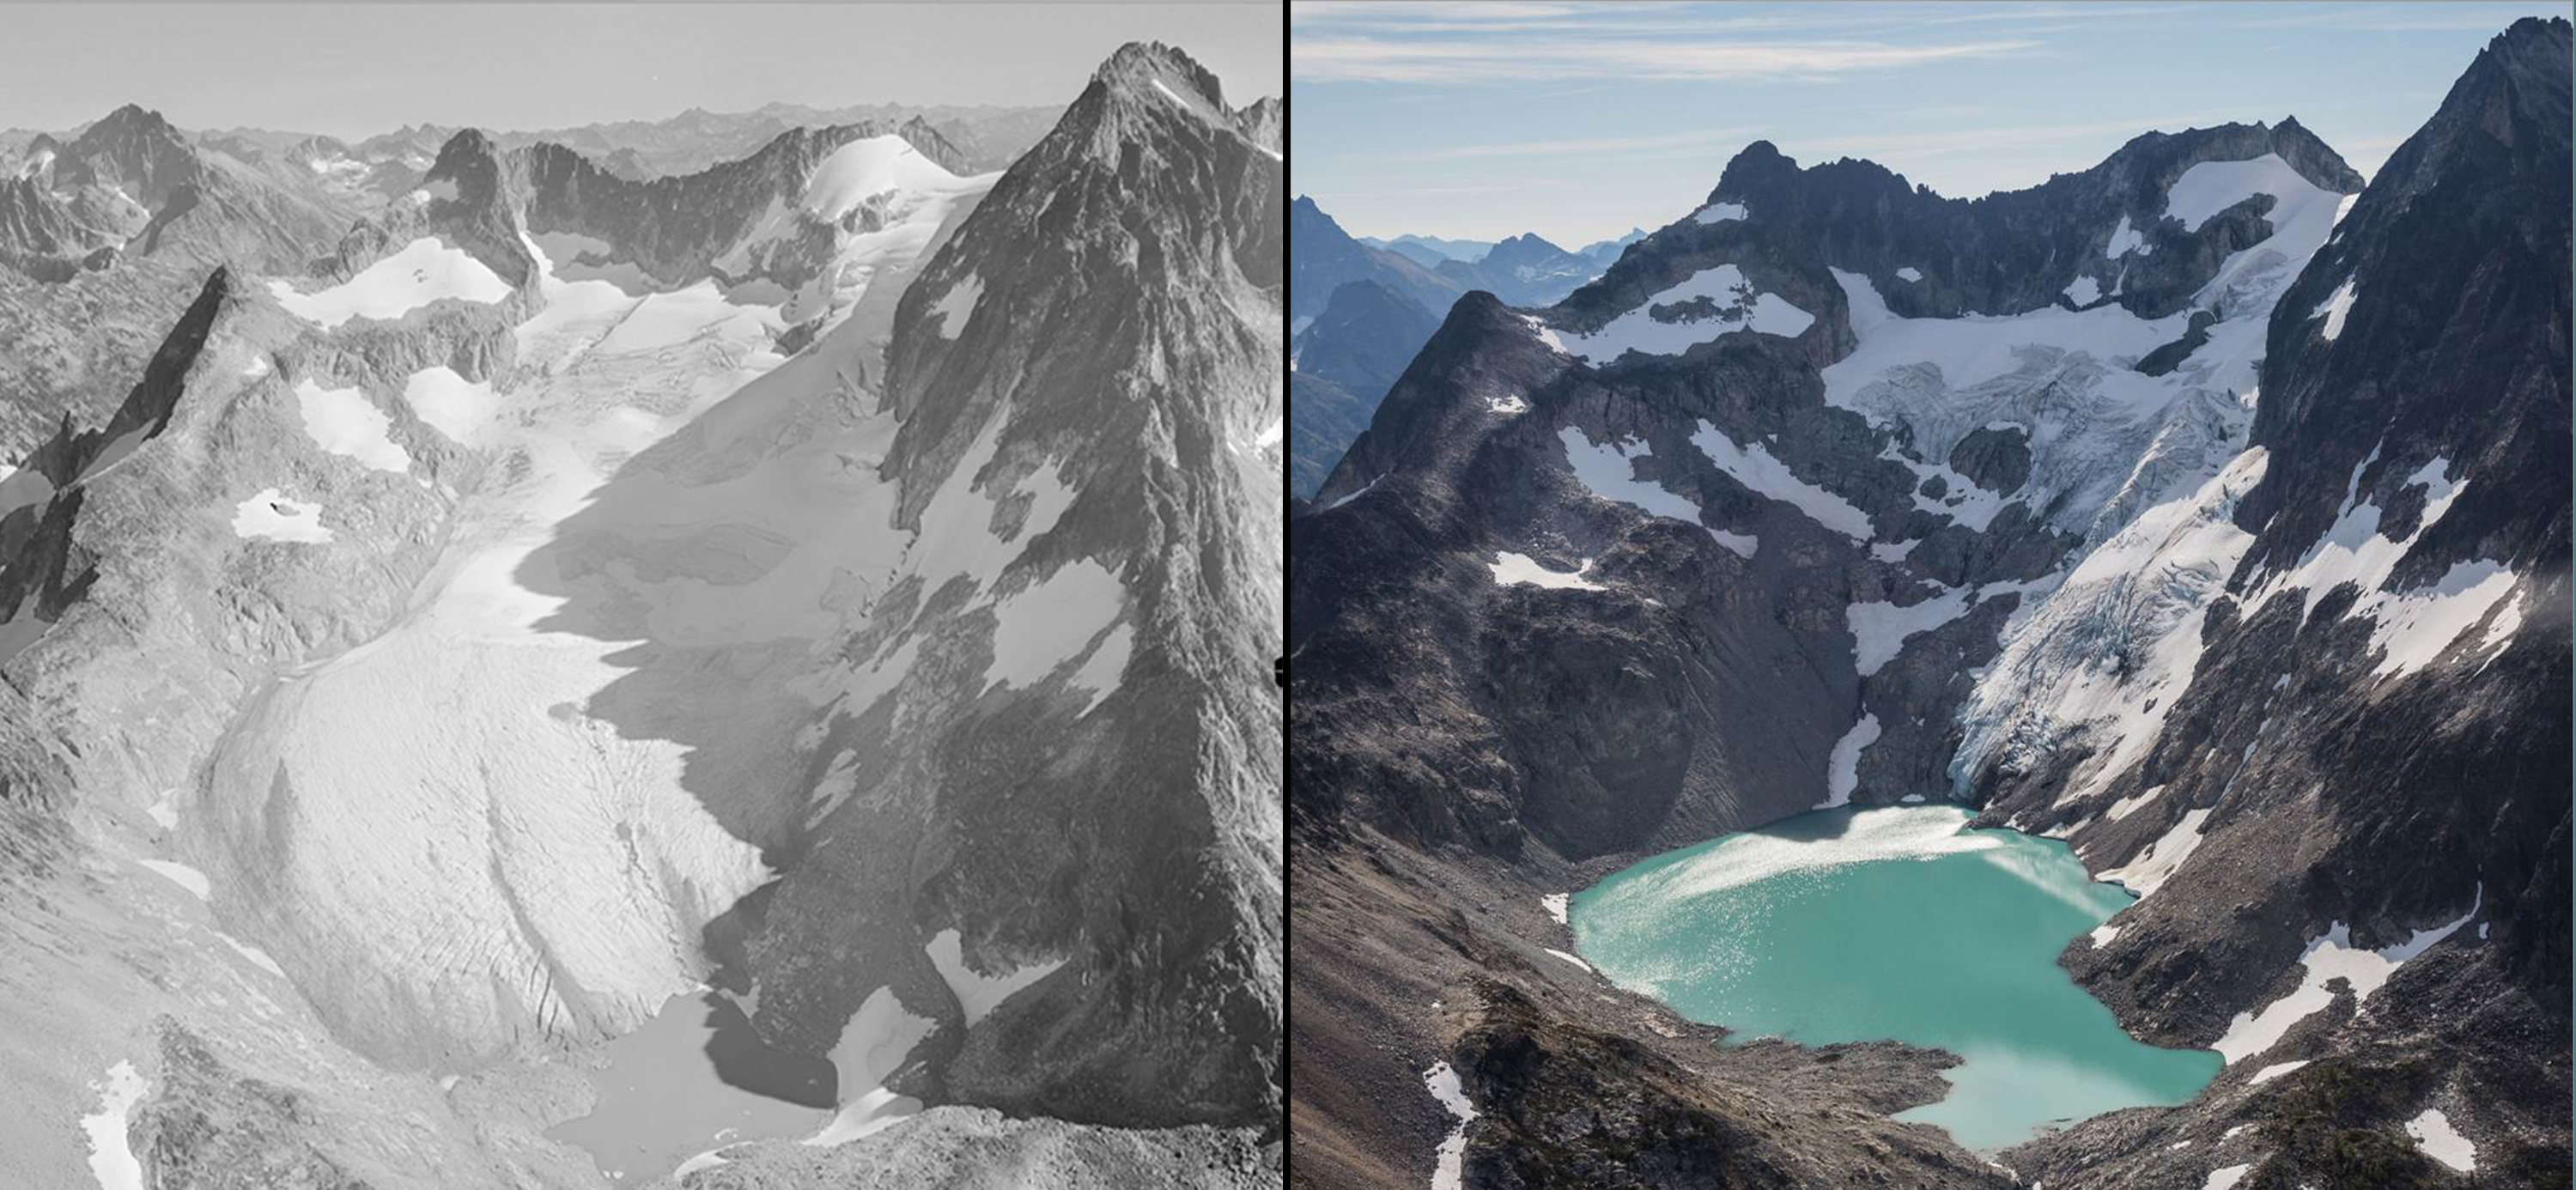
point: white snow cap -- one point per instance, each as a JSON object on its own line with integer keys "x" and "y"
{"x": 2213, "y": 186}
{"x": 867, "y": 167}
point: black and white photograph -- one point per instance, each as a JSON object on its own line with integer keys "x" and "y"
{"x": 641, "y": 595}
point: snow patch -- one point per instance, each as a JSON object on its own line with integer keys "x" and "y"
{"x": 1555, "y": 904}
{"x": 1362, "y": 491}
{"x": 2410, "y": 628}
{"x": 1909, "y": 273}
{"x": 1608, "y": 470}
{"x": 2124, "y": 240}
{"x": 873, "y": 1045}
{"x": 2273, "y": 1071}
{"x": 2084, "y": 291}
{"x": 1842, "y": 768}
{"x": 1047, "y": 624}
{"x": 1510, "y": 568}
{"x": 342, "y": 421}
{"x": 111, "y": 1156}
{"x": 275, "y": 517}
{"x": 2151, "y": 868}
{"x": 449, "y": 403}
{"x": 2334, "y": 308}
{"x": 1103, "y": 671}
{"x": 955, "y": 308}
{"x": 1742, "y": 545}
{"x": 1738, "y": 307}
{"x": 1449, "y": 1172}
{"x": 2103, "y": 934}
{"x": 2328, "y": 958}
{"x": 1755, "y": 468}
{"x": 1719, "y": 212}
{"x": 2441, "y": 1142}
{"x": 183, "y": 876}
{"x": 978, "y": 994}
{"x": 2226, "y": 1177}
{"x": 1567, "y": 957}
{"x": 22, "y": 487}
{"x": 2129, "y": 805}
{"x": 1879, "y": 630}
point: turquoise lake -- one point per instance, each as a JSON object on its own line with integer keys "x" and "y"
{"x": 1858, "y": 925}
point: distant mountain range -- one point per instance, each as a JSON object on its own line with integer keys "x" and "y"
{"x": 1429, "y": 251}
{"x": 987, "y": 137}
{"x": 1409, "y": 284}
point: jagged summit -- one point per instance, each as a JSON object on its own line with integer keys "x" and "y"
{"x": 1140, "y": 64}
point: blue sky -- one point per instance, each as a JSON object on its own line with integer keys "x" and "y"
{"x": 1581, "y": 120}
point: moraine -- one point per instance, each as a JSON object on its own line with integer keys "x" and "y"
{"x": 1898, "y": 923}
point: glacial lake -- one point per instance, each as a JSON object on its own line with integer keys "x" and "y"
{"x": 1863, "y": 924}
{"x": 694, "y": 1078}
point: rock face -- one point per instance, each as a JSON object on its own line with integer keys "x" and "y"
{"x": 1144, "y": 232}
{"x": 2369, "y": 742}
{"x": 2055, "y": 557}
{"x": 445, "y": 656}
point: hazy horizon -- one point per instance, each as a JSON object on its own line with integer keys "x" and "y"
{"x": 355, "y": 71}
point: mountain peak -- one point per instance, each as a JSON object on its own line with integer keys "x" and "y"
{"x": 1138, "y": 64}
{"x": 1751, "y": 168}
{"x": 130, "y": 125}
{"x": 132, "y": 115}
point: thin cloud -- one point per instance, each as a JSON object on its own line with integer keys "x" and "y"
{"x": 1463, "y": 60}
{"x": 1968, "y": 140}
{"x": 2400, "y": 18}
{"x": 1477, "y": 188}
{"x": 1589, "y": 146}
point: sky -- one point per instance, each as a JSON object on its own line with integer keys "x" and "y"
{"x": 352, "y": 70}
{"x": 1579, "y": 121}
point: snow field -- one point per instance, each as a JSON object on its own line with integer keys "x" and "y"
{"x": 425, "y": 271}
{"x": 342, "y": 421}
{"x": 449, "y": 403}
{"x": 1740, "y": 307}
